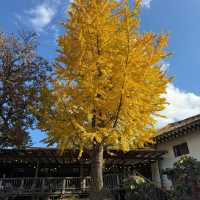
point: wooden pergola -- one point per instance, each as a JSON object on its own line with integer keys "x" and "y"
{"x": 51, "y": 156}
{"x": 70, "y": 176}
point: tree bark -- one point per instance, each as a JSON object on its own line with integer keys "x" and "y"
{"x": 97, "y": 173}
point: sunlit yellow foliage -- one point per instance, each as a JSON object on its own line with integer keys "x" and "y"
{"x": 108, "y": 82}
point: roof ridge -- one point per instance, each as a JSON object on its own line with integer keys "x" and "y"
{"x": 169, "y": 129}
{"x": 174, "y": 125}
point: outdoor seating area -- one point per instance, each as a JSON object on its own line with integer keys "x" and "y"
{"x": 42, "y": 171}
{"x": 53, "y": 186}
{"x": 66, "y": 187}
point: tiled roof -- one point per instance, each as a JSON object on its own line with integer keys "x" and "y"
{"x": 179, "y": 128}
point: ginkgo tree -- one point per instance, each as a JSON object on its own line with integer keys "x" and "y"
{"x": 108, "y": 82}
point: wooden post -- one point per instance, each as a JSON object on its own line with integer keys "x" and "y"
{"x": 1, "y": 181}
{"x": 37, "y": 169}
{"x": 82, "y": 178}
{"x": 22, "y": 184}
{"x": 43, "y": 185}
{"x": 123, "y": 170}
{"x": 63, "y": 186}
{"x": 35, "y": 177}
{"x": 118, "y": 181}
{"x": 83, "y": 184}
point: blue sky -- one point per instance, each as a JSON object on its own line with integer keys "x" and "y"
{"x": 180, "y": 18}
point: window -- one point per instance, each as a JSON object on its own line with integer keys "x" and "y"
{"x": 181, "y": 149}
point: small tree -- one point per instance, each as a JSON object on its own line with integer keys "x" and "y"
{"x": 22, "y": 74}
{"x": 185, "y": 176}
{"x": 108, "y": 82}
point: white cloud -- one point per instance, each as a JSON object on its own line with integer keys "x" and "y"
{"x": 42, "y": 15}
{"x": 146, "y": 3}
{"x": 182, "y": 104}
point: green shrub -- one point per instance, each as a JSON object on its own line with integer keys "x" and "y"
{"x": 137, "y": 188}
{"x": 185, "y": 176}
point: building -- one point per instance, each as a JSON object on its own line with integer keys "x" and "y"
{"x": 43, "y": 171}
{"x": 177, "y": 139}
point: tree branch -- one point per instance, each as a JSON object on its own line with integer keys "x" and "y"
{"x": 123, "y": 85}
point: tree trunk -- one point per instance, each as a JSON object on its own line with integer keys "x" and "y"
{"x": 97, "y": 173}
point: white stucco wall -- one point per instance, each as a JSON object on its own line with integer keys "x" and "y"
{"x": 193, "y": 142}
{"x": 156, "y": 174}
